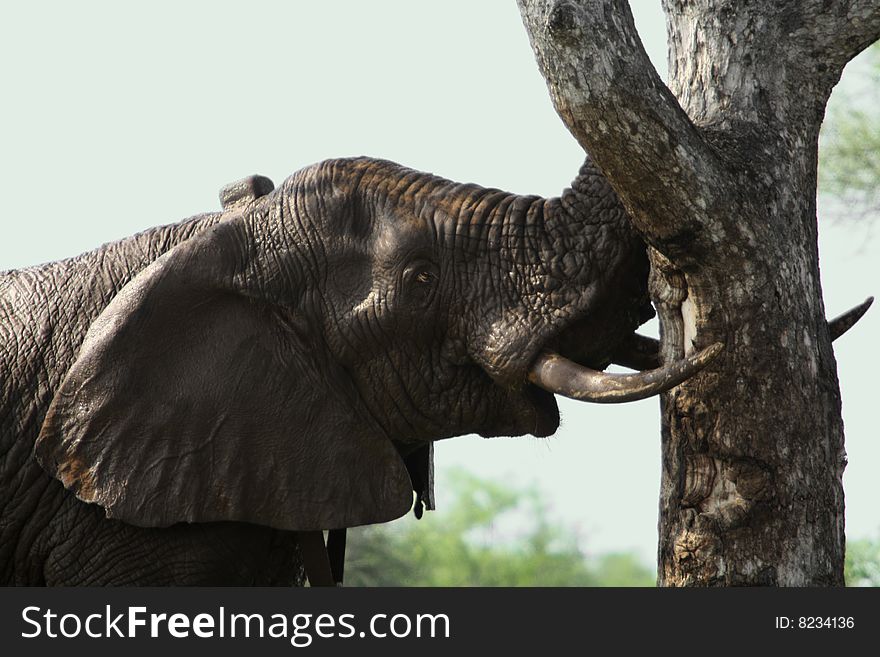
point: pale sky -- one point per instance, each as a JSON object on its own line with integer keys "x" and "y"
{"x": 117, "y": 117}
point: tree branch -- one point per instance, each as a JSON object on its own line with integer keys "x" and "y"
{"x": 845, "y": 28}
{"x": 613, "y": 102}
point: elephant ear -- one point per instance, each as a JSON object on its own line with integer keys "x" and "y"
{"x": 193, "y": 400}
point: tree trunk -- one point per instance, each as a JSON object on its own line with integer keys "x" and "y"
{"x": 722, "y": 184}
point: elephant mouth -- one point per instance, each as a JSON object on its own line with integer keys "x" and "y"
{"x": 545, "y": 419}
{"x": 528, "y": 410}
{"x": 569, "y": 362}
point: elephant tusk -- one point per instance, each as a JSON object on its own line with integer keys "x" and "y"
{"x": 561, "y": 376}
{"x": 844, "y": 322}
{"x": 639, "y": 352}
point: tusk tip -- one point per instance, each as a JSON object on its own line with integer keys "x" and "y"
{"x": 710, "y": 352}
{"x": 697, "y": 361}
{"x": 862, "y": 308}
{"x": 843, "y": 323}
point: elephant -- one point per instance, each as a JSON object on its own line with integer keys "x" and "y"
{"x": 179, "y": 405}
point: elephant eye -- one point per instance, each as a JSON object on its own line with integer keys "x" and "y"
{"x": 419, "y": 281}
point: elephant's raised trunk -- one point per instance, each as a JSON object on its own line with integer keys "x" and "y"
{"x": 562, "y": 376}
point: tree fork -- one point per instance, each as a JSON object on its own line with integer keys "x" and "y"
{"x": 719, "y": 176}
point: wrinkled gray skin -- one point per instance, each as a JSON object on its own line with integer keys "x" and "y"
{"x": 361, "y": 303}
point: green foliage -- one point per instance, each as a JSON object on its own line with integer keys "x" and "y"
{"x": 850, "y": 155}
{"x": 862, "y": 566}
{"x": 475, "y": 543}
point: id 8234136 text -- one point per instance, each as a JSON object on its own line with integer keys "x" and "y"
{"x": 815, "y": 622}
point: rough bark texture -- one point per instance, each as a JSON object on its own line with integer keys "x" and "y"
{"x": 719, "y": 174}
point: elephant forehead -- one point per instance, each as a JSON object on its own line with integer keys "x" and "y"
{"x": 400, "y": 233}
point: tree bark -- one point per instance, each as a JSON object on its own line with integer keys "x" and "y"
{"x": 719, "y": 174}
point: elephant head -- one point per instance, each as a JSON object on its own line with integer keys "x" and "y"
{"x": 280, "y": 367}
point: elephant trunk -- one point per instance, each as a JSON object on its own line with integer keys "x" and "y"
{"x": 582, "y": 265}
